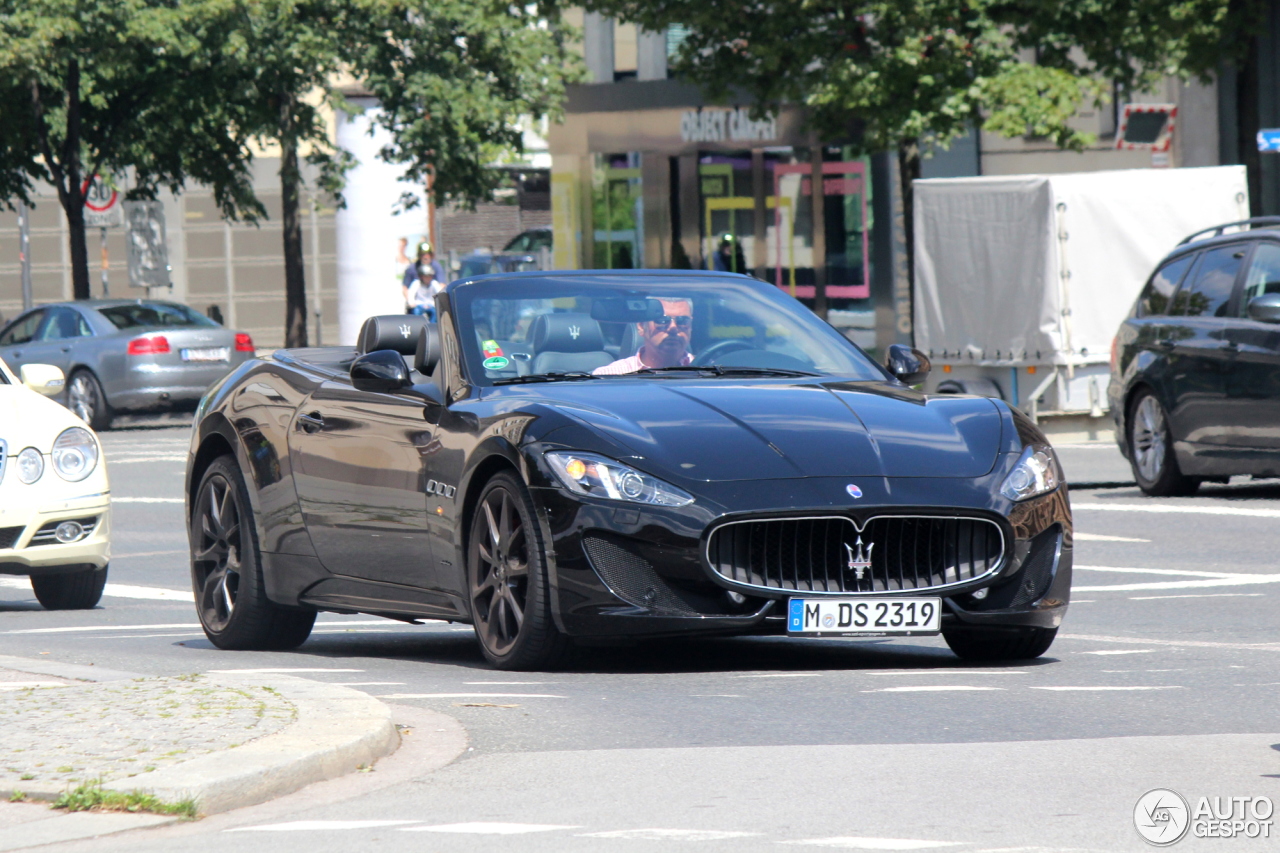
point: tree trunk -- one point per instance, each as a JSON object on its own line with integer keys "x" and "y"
{"x": 908, "y": 171}
{"x": 295, "y": 287}
{"x": 64, "y": 166}
{"x": 1247, "y": 93}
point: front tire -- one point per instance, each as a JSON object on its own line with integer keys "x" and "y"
{"x": 86, "y": 399}
{"x": 999, "y": 644}
{"x": 507, "y": 580}
{"x": 1151, "y": 455}
{"x": 78, "y": 590}
{"x": 226, "y": 570}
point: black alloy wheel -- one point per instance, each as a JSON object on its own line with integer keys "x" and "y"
{"x": 86, "y": 399}
{"x": 997, "y": 644}
{"x": 507, "y": 580}
{"x": 1151, "y": 455}
{"x": 80, "y": 589}
{"x": 226, "y": 572}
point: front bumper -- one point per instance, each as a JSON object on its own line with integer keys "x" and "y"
{"x": 31, "y": 553}
{"x": 650, "y": 576}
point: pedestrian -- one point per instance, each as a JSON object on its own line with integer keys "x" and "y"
{"x": 426, "y": 259}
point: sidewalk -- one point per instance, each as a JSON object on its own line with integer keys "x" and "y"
{"x": 210, "y": 742}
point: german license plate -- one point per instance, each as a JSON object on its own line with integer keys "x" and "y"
{"x": 207, "y": 354}
{"x": 863, "y": 617}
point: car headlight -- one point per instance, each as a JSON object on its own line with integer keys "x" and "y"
{"x": 30, "y": 465}
{"x": 75, "y": 454}
{"x": 1035, "y": 474}
{"x": 598, "y": 477}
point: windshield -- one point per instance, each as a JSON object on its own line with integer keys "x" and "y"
{"x": 153, "y": 315}
{"x": 624, "y": 327}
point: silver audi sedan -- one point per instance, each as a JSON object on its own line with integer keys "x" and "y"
{"x": 119, "y": 355}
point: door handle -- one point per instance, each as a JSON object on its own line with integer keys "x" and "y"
{"x": 1230, "y": 346}
{"x": 1164, "y": 343}
{"x": 66, "y": 349}
{"x": 311, "y": 422}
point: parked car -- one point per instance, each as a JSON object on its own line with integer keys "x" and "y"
{"x": 55, "y": 511}
{"x": 1195, "y": 368}
{"x": 482, "y": 262}
{"x": 125, "y": 355}
{"x": 776, "y": 480}
{"x": 530, "y": 241}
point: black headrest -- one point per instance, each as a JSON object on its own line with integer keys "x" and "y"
{"x": 566, "y": 333}
{"x": 428, "y": 350}
{"x": 397, "y": 332}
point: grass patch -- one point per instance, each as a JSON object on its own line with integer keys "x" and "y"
{"x": 90, "y": 797}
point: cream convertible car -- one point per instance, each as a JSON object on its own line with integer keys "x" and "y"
{"x": 55, "y": 508}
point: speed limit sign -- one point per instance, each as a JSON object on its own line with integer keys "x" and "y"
{"x": 101, "y": 204}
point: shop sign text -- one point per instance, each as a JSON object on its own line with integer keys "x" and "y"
{"x": 735, "y": 125}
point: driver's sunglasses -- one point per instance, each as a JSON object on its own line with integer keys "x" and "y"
{"x": 682, "y": 321}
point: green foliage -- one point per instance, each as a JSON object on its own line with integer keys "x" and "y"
{"x": 91, "y": 797}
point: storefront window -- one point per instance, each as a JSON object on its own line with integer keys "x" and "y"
{"x": 727, "y": 201}
{"x": 618, "y": 212}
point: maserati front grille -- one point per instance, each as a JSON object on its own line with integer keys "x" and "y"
{"x": 829, "y": 554}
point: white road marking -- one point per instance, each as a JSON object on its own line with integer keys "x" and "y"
{"x": 950, "y": 671}
{"x": 1119, "y": 652}
{"x": 1126, "y": 687}
{"x": 854, "y": 843}
{"x": 930, "y": 688}
{"x": 1199, "y": 595}
{"x": 369, "y": 683}
{"x": 148, "y": 554}
{"x": 782, "y": 675}
{"x": 116, "y": 500}
{"x": 489, "y": 828}
{"x": 27, "y": 685}
{"x": 471, "y": 696}
{"x": 670, "y": 834}
{"x": 1251, "y": 512}
{"x": 282, "y": 669}
{"x": 1172, "y": 572}
{"x": 114, "y": 461}
{"x": 150, "y": 593}
{"x": 1147, "y": 641}
{"x": 1235, "y": 580}
{"x": 98, "y": 628}
{"x": 320, "y": 825}
{"x": 505, "y": 683}
{"x": 1098, "y": 537}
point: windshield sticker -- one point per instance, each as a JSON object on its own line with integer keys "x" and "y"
{"x": 496, "y": 362}
{"x": 490, "y": 348}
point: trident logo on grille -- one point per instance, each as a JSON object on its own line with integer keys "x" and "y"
{"x": 861, "y": 561}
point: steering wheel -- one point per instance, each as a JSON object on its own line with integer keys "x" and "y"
{"x": 715, "y": 351}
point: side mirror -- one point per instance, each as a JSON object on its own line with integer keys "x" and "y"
{"x": 907, "y": 364}
{"x": 1265, "y": 308}
{"x": 43, "y": 379}
{"x": 381, "y": 371}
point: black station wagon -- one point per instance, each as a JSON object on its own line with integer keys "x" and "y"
{"x": 1195, "y": 369}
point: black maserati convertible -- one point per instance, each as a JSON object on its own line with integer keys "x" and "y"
{"x": 604, "y": 455}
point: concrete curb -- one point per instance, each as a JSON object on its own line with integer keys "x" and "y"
{"x": 337, "y": 731}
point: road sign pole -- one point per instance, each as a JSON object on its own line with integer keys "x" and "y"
{"x": 24, "y": 252}
{"x": 106, "y": 285}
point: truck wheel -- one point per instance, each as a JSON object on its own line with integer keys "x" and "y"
{"x": 1151, "y": 456}
{"x": 509, "y": 594}
{"x": 994, "y": 644}
{"x": 226, "y": 569}
{"x": 79, "y": 590}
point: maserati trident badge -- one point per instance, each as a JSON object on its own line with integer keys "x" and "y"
{"x": 574, "y": 331}
{"x": 406, "y": 329}
{"x": 861, "y": 561}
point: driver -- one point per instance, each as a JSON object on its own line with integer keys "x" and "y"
{"x": 666, "y": 341}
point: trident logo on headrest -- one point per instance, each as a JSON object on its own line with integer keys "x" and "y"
{"x": 574, "y": 331}
{"x": 406, "y": 329}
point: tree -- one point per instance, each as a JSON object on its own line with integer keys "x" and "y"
{"x": 905, "y": 75}
{"x": 98, "y": 86}
{"x": 452, "y": 78}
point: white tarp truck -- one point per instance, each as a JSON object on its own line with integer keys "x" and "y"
{"x": 1021, "y": 281}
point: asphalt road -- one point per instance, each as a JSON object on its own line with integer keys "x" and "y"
{"x": 1164, "y": 675}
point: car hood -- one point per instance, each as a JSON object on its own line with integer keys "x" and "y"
{"x": 723, "y": 429}
{"x": 28, "y": 419}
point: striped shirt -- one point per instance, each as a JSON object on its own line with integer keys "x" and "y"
{"x": 631, "y": 365}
